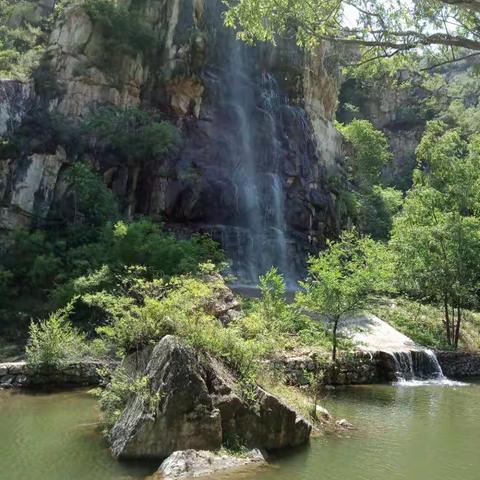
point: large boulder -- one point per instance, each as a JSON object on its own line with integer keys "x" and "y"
{"x": 193, "y": 463}
{"x": 198, "y": 405}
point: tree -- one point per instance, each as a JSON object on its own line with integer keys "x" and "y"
{"x": 367, "y": 152}
{"x": 380, "y": 29}
{"x": 342, "y": 278}
{"x": 437, "y": 236}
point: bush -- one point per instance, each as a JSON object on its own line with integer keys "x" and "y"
{"x": 114, "y": 398}
{"x": 22, "y": 39}
{"x": 376, "y": 210}
{"x": 54, "y": 342}
{"x": 122, "y": 28}
{"x": 94, "y": 203}
{"x": 133, "y": 133}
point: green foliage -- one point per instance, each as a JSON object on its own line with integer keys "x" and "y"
{"x": 54, "y": 342}
{"x": 145, "y": 243}
{"x": 93, "y": 201}
{"x": 369, "y": 151}
{"x": 82, "y": 260}
{"x": 121, "y": 387}
{"x": 377, "y": 30}
{"x": 278, "y": 323}
{"x": 369, "y": 205}
{"x": 342, "y": 279}
{"x": 123, "y": 29}
{"x": 133, "y": 133}
{"x": 424, "y": 322}
{"x": 436, "y": 238}
{"x": 22, "y": 38}
{"x": 376, "y": 210}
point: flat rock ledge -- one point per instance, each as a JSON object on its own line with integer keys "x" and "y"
{"x": 201, "y": 463}
{"x": 75, "y": 374}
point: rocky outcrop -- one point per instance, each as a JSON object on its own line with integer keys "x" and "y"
{"x": 195, "y": 403}
{"x": 75, "y": 374}
{"x": 393, "y": 105}
{"x": 193, "y": 463}
{"x": 16, "y": 98}
{"x": 27, "y": 187}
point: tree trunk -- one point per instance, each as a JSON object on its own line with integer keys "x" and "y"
{"x": 334, "y": 339}
{"x": 457, "y": 327}
{"x": 447, "y": 319}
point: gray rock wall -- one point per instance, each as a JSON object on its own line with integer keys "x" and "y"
{"x": 459, "y": 364}
{"x": 358, "y": 369}
{"x": 20, "y": 375}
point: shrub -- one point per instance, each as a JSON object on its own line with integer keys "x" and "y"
{"x": 122, "y": 28}
{"x": 144, "y": 243}
{"x": 114, "y": 398}
{"x": 93, "y": 201}
{"x": 54, "y": 342}
{"x": 133, "y": 133}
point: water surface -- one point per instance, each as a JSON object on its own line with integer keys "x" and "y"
{"x": 423, "y": 432}
{"x": 56, "y": 437}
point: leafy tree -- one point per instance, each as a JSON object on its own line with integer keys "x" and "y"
{"x": 23, "y": 36}
{"x": 376, "y": 209}
{"x": 437, "y": 236}
{"x": 379, "y": 29}
{"x": 122, "y": 27}
{"x": 369, "y": 204}
{"x": 369, "y": 151}
{"x": 342, "y": 278}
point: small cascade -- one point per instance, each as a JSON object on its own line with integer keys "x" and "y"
{"x": 417, "y": 366}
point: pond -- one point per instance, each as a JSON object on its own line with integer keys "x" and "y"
{"x": 422, "y": 432}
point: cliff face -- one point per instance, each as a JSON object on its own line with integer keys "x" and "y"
{"x": 257, "y": 125}
{"x": 393, "y": 105}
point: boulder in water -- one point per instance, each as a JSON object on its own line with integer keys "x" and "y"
{"x": 344, "y": 424}
{"x": 194, "y": 463}
{"x": 198, "y": 405}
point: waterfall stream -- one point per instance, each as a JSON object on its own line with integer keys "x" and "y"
{"x": 418, "y": 367}
{"x": 260, "y": 239}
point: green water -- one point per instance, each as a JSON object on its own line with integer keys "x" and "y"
{"x": 403, "y": 432}
{"x": 55, "y": 437}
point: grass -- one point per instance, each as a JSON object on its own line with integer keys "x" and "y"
{"x": 423, "y": 323}
{"x": 296, "y": 398}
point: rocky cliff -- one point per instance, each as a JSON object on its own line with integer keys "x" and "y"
{"x": 393, "y": 105}
{"x": 257, "y": 124}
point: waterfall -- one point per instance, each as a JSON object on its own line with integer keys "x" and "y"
{"x": 259, "y": 238}
{"x": 418, "y": 367}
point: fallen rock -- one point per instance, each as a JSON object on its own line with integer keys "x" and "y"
{"x": 193, "y": 463}
{"x": 198, "y": 405}
{"x": 344, "y": 424}
{"x": 323, "y": 413}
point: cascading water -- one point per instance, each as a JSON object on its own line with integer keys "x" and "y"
{"x": 417, "y": 367}
{"x": 259, "y": 239}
